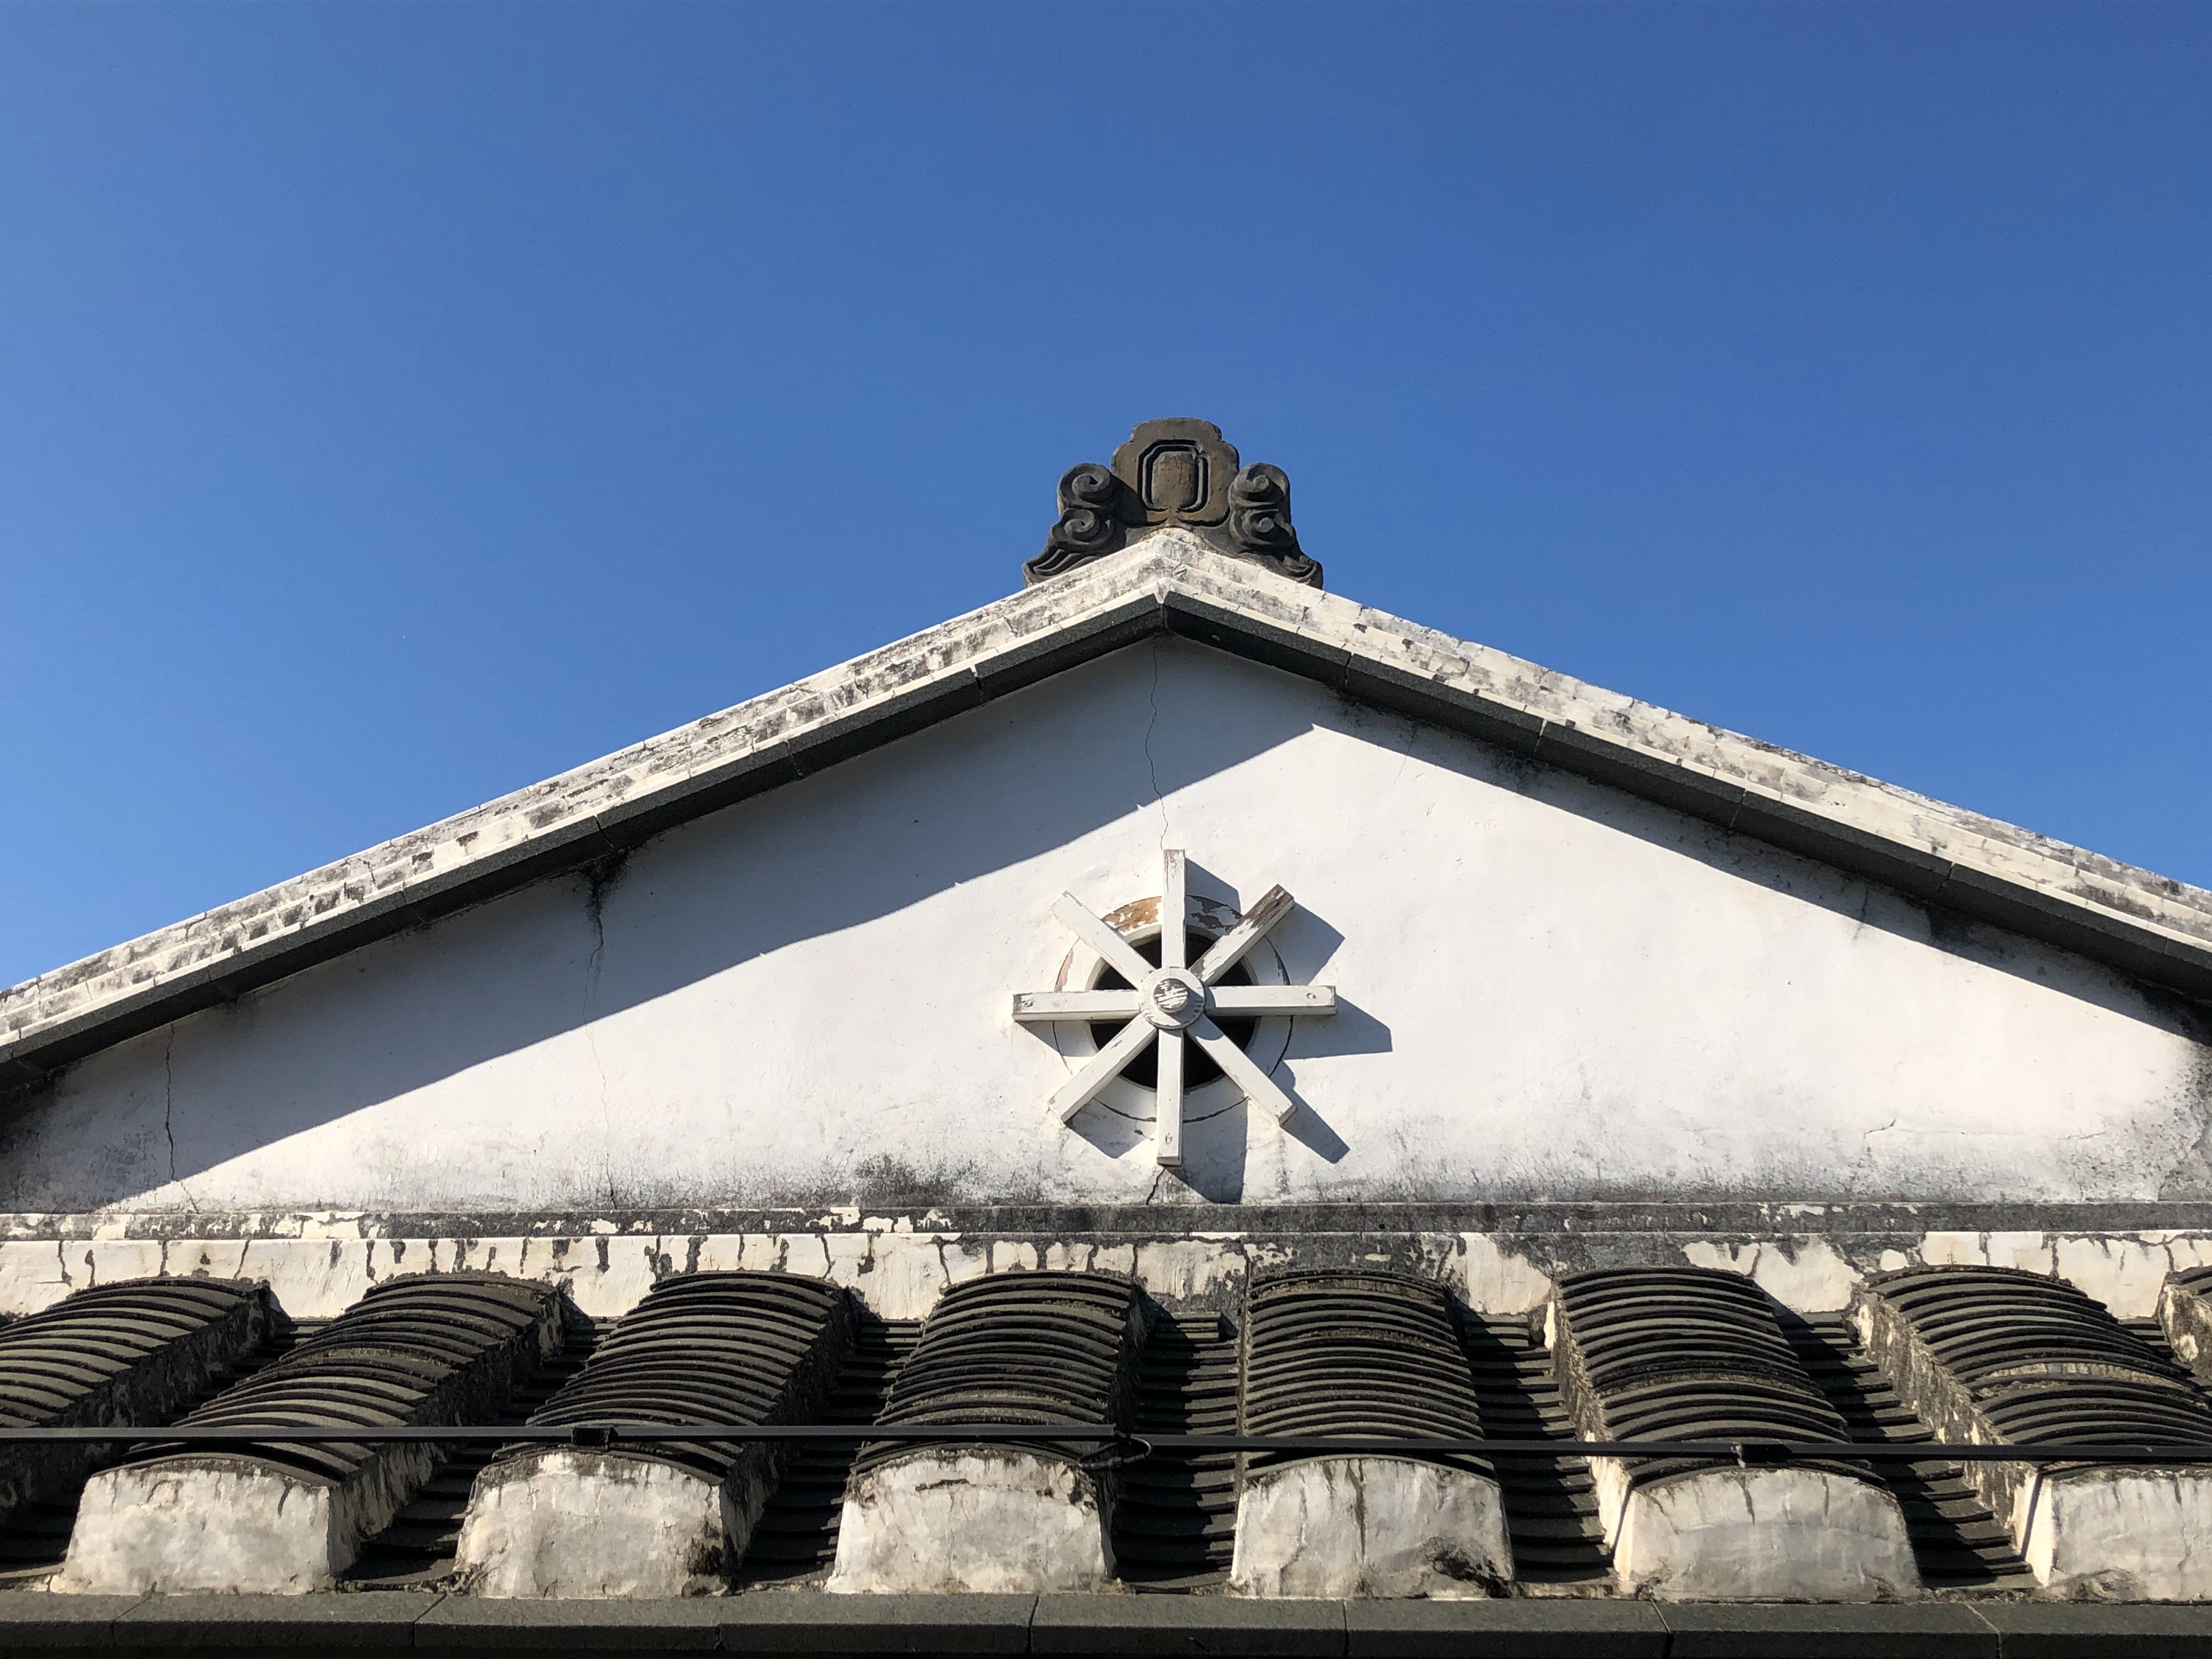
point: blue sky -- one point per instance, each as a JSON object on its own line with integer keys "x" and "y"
{"x": 400, "y": 404}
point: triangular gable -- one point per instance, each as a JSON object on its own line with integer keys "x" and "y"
{"x": 2155, "y": 929}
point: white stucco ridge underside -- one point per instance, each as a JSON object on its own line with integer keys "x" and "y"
{"x": 2147, "y": 925}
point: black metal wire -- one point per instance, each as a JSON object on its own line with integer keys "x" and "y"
{"x": 1755, "y": 1453}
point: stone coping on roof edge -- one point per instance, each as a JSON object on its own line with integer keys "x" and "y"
{"x": 787, "y": 1621}
{"x": 2151, "y": 927}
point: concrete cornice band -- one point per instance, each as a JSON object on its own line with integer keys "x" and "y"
{"x": 2147, "y": 926}
{"x": 800, "y": 1622}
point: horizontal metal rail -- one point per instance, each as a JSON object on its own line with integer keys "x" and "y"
{"x": 1751, "y": 1452}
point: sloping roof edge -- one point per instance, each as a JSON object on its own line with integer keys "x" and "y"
{"x": 2151, "y": 927}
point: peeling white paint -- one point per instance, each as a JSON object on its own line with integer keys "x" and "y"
{"x": 317, "y": 1273}
{"x": 2126, "y": 1274}
{"x": 1067, "y": 1258}
{"x": 1763, "y": 1535}
{"x": 590, "y": 1524}
{"x": 311, "y": 1278}
{"x": 32, "y": 1276}
{"x": 971, "y": 1520}
{"x": 1803, "y": 1274}
{"x": 1338, "y": 1527}
{"x": 2027, "y": 1250}
{"x": 1502, "y": 1281}
{"x": 228, "y": 1525}
{"x": 106, "y": 1262}
{"x": 965, "y": 1262}
{"x": 2140, "y": 1534}
{"x": 1178, "y": 1269}
{"x": 908, "y": 1277}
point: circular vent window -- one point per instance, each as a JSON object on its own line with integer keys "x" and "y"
{"x": 1206, "y": 1091}
{"x": 1198, "y": 1066}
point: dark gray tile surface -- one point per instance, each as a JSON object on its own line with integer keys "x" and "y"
{"x": 2044, "y": 1630}
{"x": 1539, "y": 1629}
{"x": 1106, "y": 1625}
{"x": 375, "y": 1619}
{"x": 1914, "y": 1630}
{"x": 813, "y": 1621}
{"x": 31, "y": 1619}
{"x": 461, "y": 1621}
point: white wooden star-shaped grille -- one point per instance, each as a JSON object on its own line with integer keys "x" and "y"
{"x": 1171, "y": 1002}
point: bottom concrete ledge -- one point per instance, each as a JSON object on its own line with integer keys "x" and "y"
{"x": 658, "y": 1626}
{"x": 1504, "y": 1630}
{"x": 1901, "y": 1629}
{"x": 789, "y": 1622}
{"x": 2043, "y": 1630}
{"x": 1102, "y": 1625}
{"x": 813, "y": 1622}
{"x": 34, "y": 1619}
{"x": 371, "y": 1618}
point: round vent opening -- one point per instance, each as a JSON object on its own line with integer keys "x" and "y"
{"x": 1198, "y": 1066}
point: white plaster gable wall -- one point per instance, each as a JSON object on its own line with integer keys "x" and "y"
{"x": 1554, "y": 991}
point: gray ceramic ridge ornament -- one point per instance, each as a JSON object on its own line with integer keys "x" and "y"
{"x": 1179, "y": 472}
{"x": 1174, "y": 1001}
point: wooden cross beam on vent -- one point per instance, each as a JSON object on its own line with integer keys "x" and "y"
{"x": 1167, "y": 1003}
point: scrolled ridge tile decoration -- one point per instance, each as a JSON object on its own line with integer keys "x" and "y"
{"x": 2005, "y": 1357}
{"x": 1179, "y": 472}
{"x": 1693, "y": 1353}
